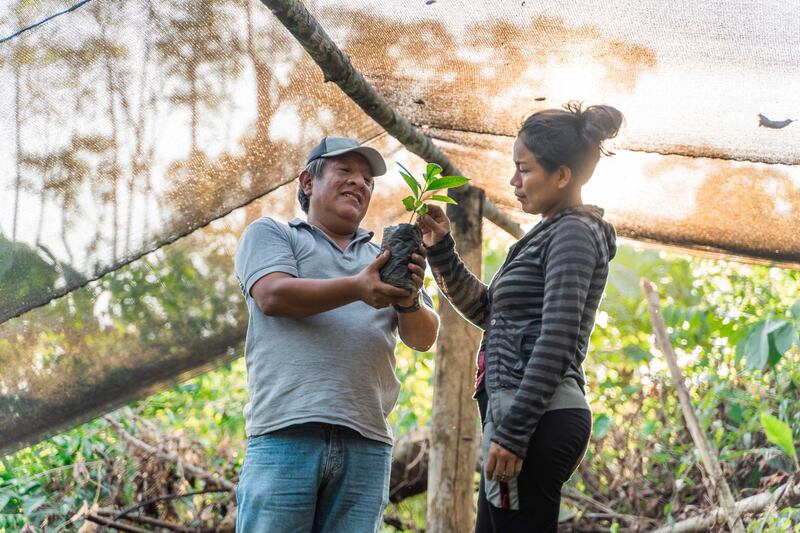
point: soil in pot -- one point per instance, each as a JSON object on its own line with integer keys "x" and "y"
{"x": 401, "y": 240}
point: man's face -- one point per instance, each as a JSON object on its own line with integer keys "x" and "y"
{"x": 343, "y": 192}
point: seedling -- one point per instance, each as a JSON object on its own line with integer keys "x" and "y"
{"x": 416, "y": 203}
{"x": 403, "y": 240}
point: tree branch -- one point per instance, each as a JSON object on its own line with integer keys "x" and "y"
{"x": 336, "y": 67}
{"x": 753, "y": 504}
{"x": 146, "y": 520}
{"x": 115, "y": 525}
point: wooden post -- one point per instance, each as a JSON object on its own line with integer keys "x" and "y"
{"x": 707, "y": 453}
{"x": 454, "y": 431}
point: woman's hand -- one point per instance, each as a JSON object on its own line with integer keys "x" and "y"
{"x": 435, "y": 225}
{"x": 502, "y": 464}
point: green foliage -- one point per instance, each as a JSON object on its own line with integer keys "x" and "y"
{"x": 641, "y": 456}
{"x": 778, "y": 432}
{"x": 23, "y": 272}
{"x": 53, "y": 479}
{"x": 421, "y": 194}
{"x": 766, "y": 342}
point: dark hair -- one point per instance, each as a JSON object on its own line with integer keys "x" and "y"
{"x": 315, "y": 169}
{"x": 571, "y": 136}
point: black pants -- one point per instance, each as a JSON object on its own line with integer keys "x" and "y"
{"x": 556, "y": 447}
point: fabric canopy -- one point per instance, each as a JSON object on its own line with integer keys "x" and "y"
{"x": 128, "y": 125}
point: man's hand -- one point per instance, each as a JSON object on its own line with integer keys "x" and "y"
{"x": 417, "y": 270}
{"x": 502, "y": 464}
{"x": 373, "y": 291}
{"x": 435, "y": 225}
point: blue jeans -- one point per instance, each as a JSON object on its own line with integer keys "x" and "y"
{"x": 313, "y": 478}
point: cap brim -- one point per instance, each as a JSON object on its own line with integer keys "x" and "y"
{"x": 373, "y": 157}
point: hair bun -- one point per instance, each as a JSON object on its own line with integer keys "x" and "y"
{"x": 596, "y": 123}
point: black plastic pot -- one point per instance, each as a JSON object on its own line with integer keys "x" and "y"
{"x": 401, "y": 240}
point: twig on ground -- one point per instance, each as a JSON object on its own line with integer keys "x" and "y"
{"x": 167, "y": 497}
{"x": 115, "y": 525}
{"x": 146, "y": 520}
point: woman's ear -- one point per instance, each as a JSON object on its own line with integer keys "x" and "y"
{"x": 564, "y": 176}
{"x": 306, "y": 182}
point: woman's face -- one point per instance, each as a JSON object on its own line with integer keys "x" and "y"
{"x": 540, "y": 192}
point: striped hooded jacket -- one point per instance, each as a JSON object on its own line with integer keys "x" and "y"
{"x": 536, "y": 314}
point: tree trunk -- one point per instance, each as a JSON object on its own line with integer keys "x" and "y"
{"x": 263, "y": 72}
{"x": 18, "y": 182}
{"x": 112, "y": 115}
{"x": 454, "y": 431}
{"x": 194, "y": 104}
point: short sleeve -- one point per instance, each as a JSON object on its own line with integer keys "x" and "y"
{"x": 265, "y": 247}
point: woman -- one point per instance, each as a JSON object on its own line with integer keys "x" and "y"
{"x": 537, "y": 315}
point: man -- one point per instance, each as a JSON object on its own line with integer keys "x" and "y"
{"x": 320, "y": 354}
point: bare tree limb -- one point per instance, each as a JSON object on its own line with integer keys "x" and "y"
{"x": 167, "y": 497}
{"x": 578, "y": 497}
{"x": 336, "y": 67}
{"x": 170, "y": 457}
{"x": 146, "y": 520}
{"x": 752, "y": 504}
{"x": 707, "y": 453}
{"x": 114, "y": 525}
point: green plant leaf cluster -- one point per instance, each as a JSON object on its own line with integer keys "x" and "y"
{"x": 432, "y": 181}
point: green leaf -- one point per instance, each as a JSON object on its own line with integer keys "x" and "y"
{"x": 410, "y": 181}
{"x": 740, "y": 349}
{"x": 423, "y": 210}
{"x": 432, "y": 170}
{"x": 796, "y": 309}
{"x": 4, "y": 499}
{"x": 447, "y": 182}
{"x": 779, "y": 433}
{"x": 409, "y": 202}
{"x": 636, "y": 354}
{"x": 756, "y": 348}
{"x": 443, "y": 198}
{"x": 648, "y": 428}
{"x": 29, "y": 505}
{"x": 735, "y": 412}
{"x": 602, "y": 423}
{"x": 784, "y": 336}
{"x": 631, "y": 389}
{"x": 775, "y": 355}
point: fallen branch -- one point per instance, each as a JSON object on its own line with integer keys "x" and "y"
{"x": 397, "y": 523}
{"x": 578, "y": 497}
{"x": 146, "y": 520}
{"x": 114, "y": 525}
{"x": 410, "y": 465}
{"x": 707, "y": 453}
{"x": 167, "y": 497}
{"x": 170, "y": 457}
{"x": 752, "y": 504}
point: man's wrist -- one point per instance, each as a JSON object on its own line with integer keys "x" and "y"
{"x": 408, "y": 309}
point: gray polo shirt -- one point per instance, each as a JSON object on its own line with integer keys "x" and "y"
{"x": 336, "y": 367}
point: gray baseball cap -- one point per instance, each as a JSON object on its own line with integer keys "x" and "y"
{"x": 333, "y": 146}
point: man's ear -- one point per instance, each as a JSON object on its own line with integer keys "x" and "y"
{"x": 564, "y": 176}
{"x": 306, "y": 182}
